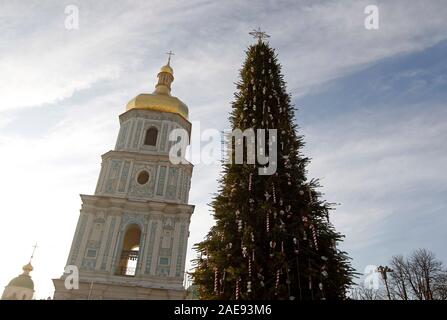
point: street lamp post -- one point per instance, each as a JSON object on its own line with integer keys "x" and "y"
{"x": 383, "y": 271}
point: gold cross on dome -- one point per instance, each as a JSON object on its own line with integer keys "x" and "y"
{"x": 261, "y": 35}
{"x": 170, "y": 53}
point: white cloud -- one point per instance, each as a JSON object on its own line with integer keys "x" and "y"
{"x": 316, "y": 42}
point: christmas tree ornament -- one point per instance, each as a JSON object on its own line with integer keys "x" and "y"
{"x": 244, "y": 252}
{"x": 282, "y": 225}
{"x": 272, "y": 248}
{"x": 296, "y": 246}
{"x": 221, "y": 281}
{"x": 249, "y": 268}
{"x": 239, "y": 225}
{"x": 267, "y": 196}
{"x": 277, "y": 282}
{"x": 314, "y": 236}
{"x": 237, "y": 289}
{"x": 216, "y": 280}
{"x": 267, "y": 222}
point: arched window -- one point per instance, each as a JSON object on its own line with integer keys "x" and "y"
{"x": 151, "y": 136}
{"x": 130, "y": 252}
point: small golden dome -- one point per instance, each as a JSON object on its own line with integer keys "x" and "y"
{"x": 160, "y": 99}
{"x": 167, "y": 68}
{"x": 27, "y": 268}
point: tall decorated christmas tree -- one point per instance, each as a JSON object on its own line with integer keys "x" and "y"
{"x": 272, "y": 238}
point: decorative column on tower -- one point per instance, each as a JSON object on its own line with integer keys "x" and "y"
{"x": 131, "y": 237}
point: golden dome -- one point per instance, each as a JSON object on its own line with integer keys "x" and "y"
{"x": 160, "y": 99}
{"x": 158, "y": 102}
{"x": 22, "y": 281}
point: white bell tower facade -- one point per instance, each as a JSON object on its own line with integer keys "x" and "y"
{"x": 131, "y": 238}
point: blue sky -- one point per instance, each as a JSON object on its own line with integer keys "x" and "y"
{"x": 382, "y": 131}
{"x": 371, "y": 105}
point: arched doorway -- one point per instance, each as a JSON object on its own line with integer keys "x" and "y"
{"x": 130, "y": 251}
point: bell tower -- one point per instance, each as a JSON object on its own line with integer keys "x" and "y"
{"x": 131, "y": 238}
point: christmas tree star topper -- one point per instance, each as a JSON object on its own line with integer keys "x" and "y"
{"x": 261, "y": 35}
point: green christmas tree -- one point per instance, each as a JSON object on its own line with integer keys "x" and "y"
{"x": 272, "y": 238}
